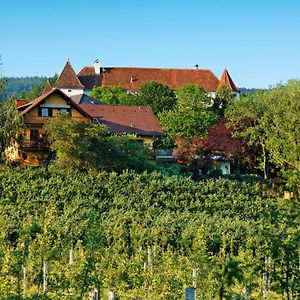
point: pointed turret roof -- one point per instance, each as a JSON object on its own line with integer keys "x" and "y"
{"x": 47, "y": 88}
{"x": 68, "y": 78}
{"x": 226, "y": 79}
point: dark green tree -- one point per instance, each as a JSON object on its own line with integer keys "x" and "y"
{"x": 156, "y": 95}
{"x": 270, "y": 121}
{"x": 11, "y": 123}
{"x": 192, "y": 116}
{"x": 224, "y": 96}
{"x": 86, "y": 146}
{"x": 2, "y": 79}
{"x": 113, "y": 94}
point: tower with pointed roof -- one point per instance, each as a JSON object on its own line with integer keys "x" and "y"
{"x": 227, "y": 80}
{"x": 47, "y": 88}
{"x": 68, "y": 81}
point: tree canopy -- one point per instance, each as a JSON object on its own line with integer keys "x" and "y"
{"x": 271, "y": 121}
{"x": 113, "y": 94}
{"x": 2, "y": 79}
{"x": 156, "y": 95}
{"x": 191, "y": 117}
{"x": 87, "y": 146}
{"x": 11, "y": 123}
{"x": 224, "y": 96}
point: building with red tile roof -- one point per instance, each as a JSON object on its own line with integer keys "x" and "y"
{"x": 119, "y": 120}
{"x": 47, "y": 88}
{"x": 34, "y": 147}
{"x": 138, "y": 120}
{"x": 227, "y": 80}
{"x": 20, "y": 102}
{"x": 132, "y": 78}
{"x": 68, "y": 81}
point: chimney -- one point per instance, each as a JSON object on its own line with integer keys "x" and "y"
{"x": 196, "y": 67}
{"x": 97, "y": 66}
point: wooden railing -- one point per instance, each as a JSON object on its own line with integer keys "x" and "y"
{"x": 36, "y": 144}
{"x": 44, "y": 120}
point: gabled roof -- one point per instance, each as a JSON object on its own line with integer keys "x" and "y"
{"x": 68, "y": 78}
{"x": 138, "y": 120}
{"x": 87, "y": 71}
{"x": 47, "y": 88}
{"x": 226, "y": 79}
{"x": 133, "y": 78}
{"x": 41, "y": 98}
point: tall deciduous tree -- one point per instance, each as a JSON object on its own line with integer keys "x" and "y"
{"x": 223, "y": 98}
{"x": 157, "y": 95}
{"x": 192, "y": 116}
{"x": 271, "y": 120}
{"x": 86, "y": 146}
{"x": 2, "y": 79}
{"x": 154, "y": 94}
{"x": 10, "y": 124}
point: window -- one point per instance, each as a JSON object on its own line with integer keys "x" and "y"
{"x": 45, "y": 112}
{"x": 65, "y": 110}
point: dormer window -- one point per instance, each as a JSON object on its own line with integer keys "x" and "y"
{"x": 45, "y": 112}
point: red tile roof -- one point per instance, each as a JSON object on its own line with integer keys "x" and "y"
{"x": 227, "y": 80}
{"x": 138, "y": 120}
{"x": 47, "y": 88}
{"x": 87, "y": 71}
{"x": 133, "y": 78}
{"x": 68, "y": 78}
{"x": 20, "y": 102}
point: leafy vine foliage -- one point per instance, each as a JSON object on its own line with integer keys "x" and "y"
{"x": 63, "y": 235}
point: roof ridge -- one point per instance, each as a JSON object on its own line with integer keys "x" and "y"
{"x": 68, "y": 78}
{"x": 157, "y": 68}
{"x": 39, "y": 99}
{"x": 47, "y": 88}
{"x": 227, "y": 80}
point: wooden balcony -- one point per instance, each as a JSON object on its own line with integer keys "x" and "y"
{"x": 35, "y": 144}
{"x": 44, "y": 120}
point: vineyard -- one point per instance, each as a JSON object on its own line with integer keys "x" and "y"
{"x": 144, "y": 236}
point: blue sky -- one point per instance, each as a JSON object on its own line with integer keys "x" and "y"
{"x": 258, "y": 41}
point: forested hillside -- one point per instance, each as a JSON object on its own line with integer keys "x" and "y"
{"x": 16, "y": 86}
{"x": 141, "y": 235}
{"x": 24, "y": 87}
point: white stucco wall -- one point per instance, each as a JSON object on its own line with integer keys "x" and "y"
{"x": 72, "y": 92}
{"x": 224, "y": 167}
